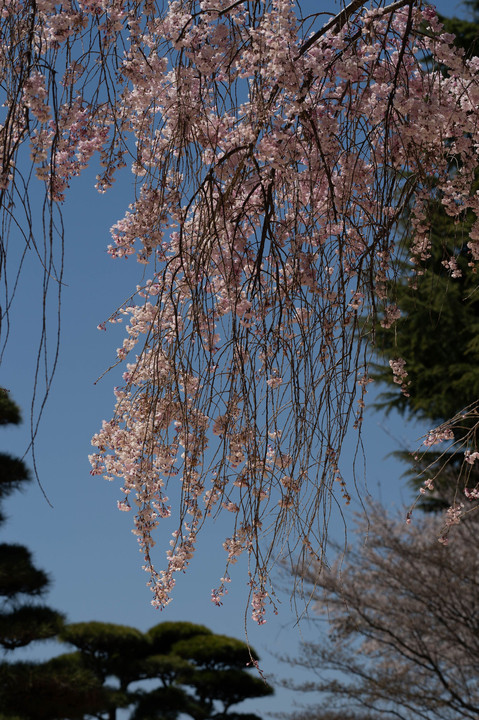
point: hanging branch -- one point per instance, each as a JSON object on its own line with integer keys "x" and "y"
{"x": 274, "y": 166}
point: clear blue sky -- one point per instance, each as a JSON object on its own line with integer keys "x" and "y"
{"x": 83, "y": 541}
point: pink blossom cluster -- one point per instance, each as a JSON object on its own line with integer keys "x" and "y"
{"x": 452, "y": 266}
{"x": 398, "y": 366}
{"x": 472, "y": 493}
{"x": 258, "y": 603}
{"x": 391, "y": 314}
{"x": 273, "y": 162}
{"x": 427, "y": 485}
{"x": 452, "y": 517}
{"x": 439, "y": 435}
{"x": 258, "y": 262}
{"x": 471, "y": 457}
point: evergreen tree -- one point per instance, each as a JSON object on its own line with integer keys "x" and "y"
{"x": 21, "y": 620}
{"x": 33, "y": 691}
{"x": 437, "y": 336}
{"x": 200, "y": 674}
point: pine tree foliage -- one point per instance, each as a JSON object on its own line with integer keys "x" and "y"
{"x": 164, "y": 635}
{"x": 436, "y": 338}
{"x": 9, "y": 411}
{"x": 108, "y": 649}
{"x": 215, "y": 651}
{"x": 107, "y": 672}
{"x": 26, "y": 579}
{"x": 14, "y": 473}
{"x": 438, "y": 333}
{"x": 29, "y": 623}
{"x": 439, "y": 325}
{"x": 200, "y": 674}
{"x": 54, "y": 690}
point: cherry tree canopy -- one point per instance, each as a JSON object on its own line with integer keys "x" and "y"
{"x": 401, "y": 617}
{"x": 276, "y": 150}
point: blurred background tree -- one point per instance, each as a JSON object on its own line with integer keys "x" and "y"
{"x": 402, "y": 618}
{"x": 200, "y": 674}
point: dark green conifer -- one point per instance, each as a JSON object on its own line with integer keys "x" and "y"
{"x": 33, "y": 691}
{"x": 437, "y": 334}
{"x": 198, "y": 673}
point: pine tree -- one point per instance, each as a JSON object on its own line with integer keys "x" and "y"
{"x": 200, "y": 674}
{"x": 30, "y": 690}
{"x": 437, "y": 335}
{"x": 21, "y": 582}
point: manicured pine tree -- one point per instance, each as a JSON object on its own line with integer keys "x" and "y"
{"x": 200, "y": 674}
{"x": 21, "y": 621}
{"x": 29, "y": 690}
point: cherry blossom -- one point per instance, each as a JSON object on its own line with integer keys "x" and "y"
{"x": 274, "y": 160}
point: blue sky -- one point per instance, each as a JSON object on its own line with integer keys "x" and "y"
{"x": 81, "y": 539}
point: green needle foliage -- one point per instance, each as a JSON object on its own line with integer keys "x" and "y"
{"x": 108, "y": 649}
{"x": 49, "y": 691}
{"x": 437, "y": 334}
{"x": 9, "y": 411}
{"x": 438, "y": 337}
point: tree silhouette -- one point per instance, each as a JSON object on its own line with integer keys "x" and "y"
{"x": 200, "y": 674}
{"x": 52, "y": 690}
{"x": 21, "y": 621}
{"x": 33, "y": 691}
